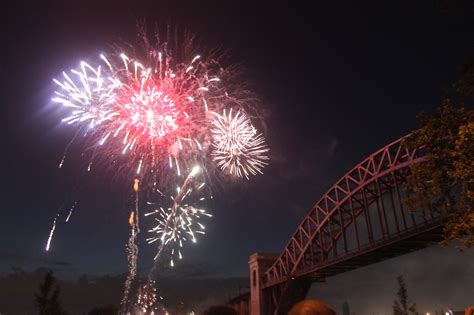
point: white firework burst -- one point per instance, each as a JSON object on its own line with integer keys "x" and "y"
{"x": 181, "y": 221}
{"x": 237, "y": 146}
{"x": 90, "y": 93}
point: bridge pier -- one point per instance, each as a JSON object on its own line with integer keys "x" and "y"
{"x": 258, "y": 264}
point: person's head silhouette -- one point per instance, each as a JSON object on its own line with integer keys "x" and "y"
{"x": 311, "y": 307}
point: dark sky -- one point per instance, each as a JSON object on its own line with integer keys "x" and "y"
{"x": 339, "y": 80}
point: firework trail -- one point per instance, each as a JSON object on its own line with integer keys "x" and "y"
{"x": 70, "y": 212}
{"x": 132, "y": 249}
{"x": 66, "y": 149}
{"x": 51, "y": 233}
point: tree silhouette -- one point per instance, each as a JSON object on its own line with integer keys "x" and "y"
{"x": 47, "y": 299}
{"x": 403, "y": 306}
{"x": 445, "y": 180}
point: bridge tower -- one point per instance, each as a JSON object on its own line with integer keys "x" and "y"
{"x": 258, "y": 264}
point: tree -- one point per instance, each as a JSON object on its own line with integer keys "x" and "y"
{"x": 445, "y": 180}
{"x": 403, "y": 306}
{"x": 47, "y": 299}
{"x": 465, "y": 85}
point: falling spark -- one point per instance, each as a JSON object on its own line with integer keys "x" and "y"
{"x": 130, "y": 218}
{"x": 51, "y": 233}
{"x": 70, "y": 211}
{"x": 139, "y": 166}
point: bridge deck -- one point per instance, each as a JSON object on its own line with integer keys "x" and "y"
{"x": 413, "y": 240}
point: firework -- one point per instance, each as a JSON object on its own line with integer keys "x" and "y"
{"x": 237, "y": 146}
{"x": 88, "y": 94}
{"x": 161, "y": 115}
{"x": 176, "y": 225}
{"x": 154, "y": 114}
{"x": 158, "y": 113}
{"x": 181, "y": 221}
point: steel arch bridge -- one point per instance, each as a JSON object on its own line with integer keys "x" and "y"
{"x": 360, "y": 220}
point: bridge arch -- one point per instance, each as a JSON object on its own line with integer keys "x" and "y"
{"x": 360, "y": 220}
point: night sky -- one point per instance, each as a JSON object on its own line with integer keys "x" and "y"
{"x": 337, "y": 82}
